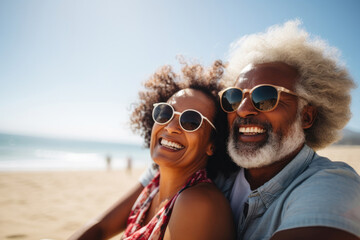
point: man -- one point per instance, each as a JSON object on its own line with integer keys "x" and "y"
{"x": 290, "y": 97}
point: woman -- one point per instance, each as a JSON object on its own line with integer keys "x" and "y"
{"x": 182, "y": 123}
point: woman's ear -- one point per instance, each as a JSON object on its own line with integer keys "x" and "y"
{"x": 308, "y": 115}
{"x": 210, "y": 149}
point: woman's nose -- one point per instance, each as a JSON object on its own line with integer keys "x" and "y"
{"x": 173, "y": 126}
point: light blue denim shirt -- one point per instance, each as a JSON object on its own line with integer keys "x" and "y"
{"x": 310, "y": 191}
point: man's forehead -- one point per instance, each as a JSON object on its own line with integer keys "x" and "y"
{"x": 276, "y": 73}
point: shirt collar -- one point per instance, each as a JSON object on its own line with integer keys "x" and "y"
{"x": 274, "y": 187}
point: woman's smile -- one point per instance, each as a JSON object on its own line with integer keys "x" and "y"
{"x": 169, "y": 144}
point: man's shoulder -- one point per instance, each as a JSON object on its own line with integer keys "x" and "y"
{"x": 324, "y": 185}
{"x": 325, "y": 169}
{"x": 325, "y": 194}
{"x": 323, "y": 175}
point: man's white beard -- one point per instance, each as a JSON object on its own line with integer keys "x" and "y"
{"x": 275, "y": 149}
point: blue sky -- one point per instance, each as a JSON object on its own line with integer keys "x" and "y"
{"x": 72, "y": 68}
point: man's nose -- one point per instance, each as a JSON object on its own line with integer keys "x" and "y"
{"x": 246, "y": 108}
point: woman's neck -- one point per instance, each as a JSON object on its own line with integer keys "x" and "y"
{"x": 173, "y": 179}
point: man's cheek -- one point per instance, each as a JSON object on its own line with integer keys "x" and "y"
{"x": 231, "y": 117}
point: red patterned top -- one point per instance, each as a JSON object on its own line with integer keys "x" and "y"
{"x": 156, "y": 227}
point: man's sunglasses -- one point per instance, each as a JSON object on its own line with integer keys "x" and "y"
{"x": 190, "y": 120}
{"x": 264, "y": 97}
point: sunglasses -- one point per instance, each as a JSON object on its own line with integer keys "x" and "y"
{"x": 264, "y": 97}
{"x": 190, "y": 120}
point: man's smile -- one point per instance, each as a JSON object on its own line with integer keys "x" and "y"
{"x": 251, "y": 130}
{"x": 251, "y": 133}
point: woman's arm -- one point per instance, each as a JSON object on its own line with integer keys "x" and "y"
{"x": 201, "y": 212}
{"x": 113, "y": 221}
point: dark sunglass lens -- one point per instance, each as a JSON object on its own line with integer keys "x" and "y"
{"x": 231, "y": 99}
{"x": 162, "y": 113}
{"x": 264, "y": 98}
{"x": 190, "y": 120}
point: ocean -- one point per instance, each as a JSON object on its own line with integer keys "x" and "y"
{"x": 27, "y": 153}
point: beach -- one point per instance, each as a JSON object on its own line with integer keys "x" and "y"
{"x": 53, "y": 204}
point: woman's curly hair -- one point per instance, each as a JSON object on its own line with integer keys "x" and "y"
{"x": 324, "y": 82}
{"x": 163, "y": 84}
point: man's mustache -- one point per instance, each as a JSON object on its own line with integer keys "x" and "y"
{"x": 251, "y": 121}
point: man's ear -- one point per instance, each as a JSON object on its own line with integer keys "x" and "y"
{"x": 210, "y": 149}
{"x": 308, "y": 115}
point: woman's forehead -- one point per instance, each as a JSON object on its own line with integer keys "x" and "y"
{"x": 192, "y": 99}
{"x": 188, "y": 95}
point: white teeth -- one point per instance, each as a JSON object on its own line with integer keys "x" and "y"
{"x": 171, "y": 145}
{"x": 251, "y": 130}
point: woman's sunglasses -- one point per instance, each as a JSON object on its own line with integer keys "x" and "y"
{"x": 264, "y": 97}
{"x": 190, "y": 120}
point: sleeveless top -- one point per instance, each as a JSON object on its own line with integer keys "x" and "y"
{"x": 156, "y": 227}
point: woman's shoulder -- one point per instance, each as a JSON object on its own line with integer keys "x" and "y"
{"x": 204, "y": 199}
{"x": 199, "y": 193}
{"x": 204, "y": 212}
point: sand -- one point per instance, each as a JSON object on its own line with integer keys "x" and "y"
{"x": 52, "y": 205}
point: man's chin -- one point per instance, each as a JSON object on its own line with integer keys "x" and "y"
{"x": 255, "y": 155}
{"x": 249, "y": 147}
{"x": 251, "y": 155}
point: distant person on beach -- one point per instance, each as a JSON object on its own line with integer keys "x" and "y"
{"x": 128, "y": 164}
{"x": 290, "y": 96}
{"x": 108, "y": 162}
{"x": 183, "y": 124}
